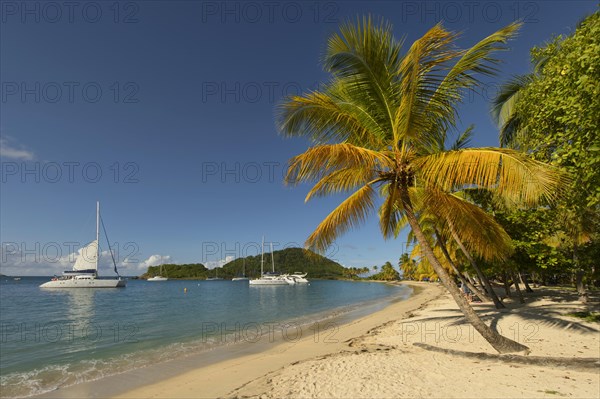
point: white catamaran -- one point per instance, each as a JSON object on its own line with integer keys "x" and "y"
{"x": 268, "y": 279}
{"x": 85, "y": 269}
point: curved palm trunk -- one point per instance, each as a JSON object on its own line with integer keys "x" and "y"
{"x": 524, "y": 281}
{"x": 517, "y": 288}
{"x": 479, "y": 281}
{"x": 482, "y": 277}
{"x": 471, "y": 279}
{"x": 507, "y": 284}
{"x": 476, "y": 291}
{"x": 581, "y": 291}
{"x": 498, "y": 342}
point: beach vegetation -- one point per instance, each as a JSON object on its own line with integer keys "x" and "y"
{"x": 552, "y": 114}
{"x": 408, "y": 266}
{"x": 593, "y": 317}
{"x": 189, "y": 270}
{"x": 387, "y": 273}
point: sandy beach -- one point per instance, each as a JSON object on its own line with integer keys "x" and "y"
{"x": 420, "y": 347}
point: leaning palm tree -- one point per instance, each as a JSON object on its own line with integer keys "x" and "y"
{"x": 490, "y": 240}
{"x": 375, "y": 126}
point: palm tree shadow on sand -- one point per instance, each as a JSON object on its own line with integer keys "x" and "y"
{"x": 548, "y": 315}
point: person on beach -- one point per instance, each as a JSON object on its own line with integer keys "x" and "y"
{"x": 466, "y": 291}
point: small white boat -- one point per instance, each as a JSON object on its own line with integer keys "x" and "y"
{"x": 243, "y": 277}
{"x": 159, "y": 277}
{"x": 295, "y": 278}
{"x": 85, "y": 269}
{"x": 268, "y": 279}
{"x": 300, "y": 278}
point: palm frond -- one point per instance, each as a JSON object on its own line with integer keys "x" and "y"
{"x": 513, "y": 175}
{"x": 365, "y": 56}
{"x": 350, "y": 213}
{"x": 463, "y": 75}
{"x": 419, "y": 80}
{"x": 341, "y": 180}
{"x": 388, "y": 214}
{"x": 504, "y": 107}
{"x": 504, "y": 103}
{"x": 321, "y": 160}
{"x": 329, "y": 116}
{"x": 464, "y": 139}
{"x": 478, "y": 230}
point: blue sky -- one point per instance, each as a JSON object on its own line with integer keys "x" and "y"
{"x": 163, "y": 111}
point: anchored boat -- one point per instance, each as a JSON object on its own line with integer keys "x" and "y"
{"x": 85, "y": 269}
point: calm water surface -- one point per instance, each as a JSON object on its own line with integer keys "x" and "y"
{"x": 56, "y": 338}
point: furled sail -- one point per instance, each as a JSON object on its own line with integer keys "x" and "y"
{"x": 87, "y": 257}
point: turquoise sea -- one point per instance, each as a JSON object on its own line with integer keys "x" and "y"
{"x": 57, "y": 338}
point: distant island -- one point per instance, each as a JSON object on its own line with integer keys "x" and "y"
{"x": 288, "y": 260}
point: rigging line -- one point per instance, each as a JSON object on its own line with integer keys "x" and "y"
{"x": 109, "y": 248}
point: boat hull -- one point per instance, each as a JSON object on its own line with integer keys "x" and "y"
{"x": 158, "y": 278}
{"x": 268, "y": 282}
{"x": 85, "y": 283}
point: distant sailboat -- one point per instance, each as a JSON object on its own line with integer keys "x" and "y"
{"x": 85, "y": 269}
{"x": 243, "y": 277}
{"x": 159, "y": 277}
{"x": 216, "y": 277}
{"x": 267, "y": 279}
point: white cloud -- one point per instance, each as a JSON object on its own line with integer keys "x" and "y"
{"x": 11, "y": 151}
{"x": 130, "y": 267}
{"x": 33, "y": 260}
{"x": 22, "y": 260}
{"x": 218, "y": 263}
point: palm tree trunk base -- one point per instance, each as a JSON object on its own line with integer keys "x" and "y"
{"x": 524, "y": 281}
{"x": 581, "y": 291}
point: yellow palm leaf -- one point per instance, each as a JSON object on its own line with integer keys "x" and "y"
{"x": 342, "y": 180}
{"x": 318, "y": 161}
{"x": 479, "y": 231}
{"x": 511, "y": 174}
{"x": 350, "y": 213}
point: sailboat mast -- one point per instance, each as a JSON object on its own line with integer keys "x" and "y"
{"x": 272, "y": 258}
{"x": 97, "y": 234}
{"x": 262, "y": 257}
